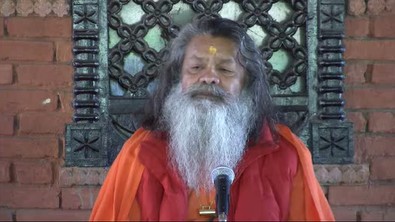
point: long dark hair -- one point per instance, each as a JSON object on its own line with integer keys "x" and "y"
{"x": 248, "y": 56}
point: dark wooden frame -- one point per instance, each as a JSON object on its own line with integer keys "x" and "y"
{"x": 97, "y": 133}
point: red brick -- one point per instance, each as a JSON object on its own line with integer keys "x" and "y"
{"x": 45, "y": 75}
{"x": 6, "y": 125}
{"x": 6, "y": 214}
{"x": 390, "y": 215}
{"x": 62, "y": 144}
{"x": 79, "y": 197}
{"x": 72, "y": 176}
{"x": 355, "y": 73}
{"x": 66, "y": 101}
{"x": 6, "y": 76}
{"x": 383, "y": 73}
{"x": 1, "y": 27}
{"x": 360, "y": 149}
{"x": 376, "y": 7}
{"x": 22, "y": 196}
{"x": 26, "y": 50}
{"x": 27, "y": 100}
{"x": 376, "y": 145}
{"x": 4, "y": 171}
{"x": 370, "y": 49}
{"x": 382, "y": 122}
{"x": 356, "y": 7}
{"x": 383, "y": 168}
{"x": 39, "y": 27}
{"x": 33, "y": 172}
{"x": 390, "y": 5}
{"x": 362, "y": 195}
{"x": 384, "y": 26}
{"x": 64, "y": 51}
{"x": 344, "y": 213}
{"x": 359, "y": 121}
{"x": 52, "y": 215}
{"x": 369, "y": 98}
{"x": 29, "y": 147}
{"x": 356, "y": 27}
{"x": 372, "y": 215}
{"x": 50, "y": 122}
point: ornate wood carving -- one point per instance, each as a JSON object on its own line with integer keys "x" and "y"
{"x": 308, "y": 90}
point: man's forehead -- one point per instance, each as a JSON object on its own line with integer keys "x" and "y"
{"x": 202, "y": 58}
{"x": 212, "y": 43}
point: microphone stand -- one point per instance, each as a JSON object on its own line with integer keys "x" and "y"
{"x": 222, "y": 177}
{"x": 223, "y": 217}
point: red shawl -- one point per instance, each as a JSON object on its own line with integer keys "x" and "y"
{"x": 117, "y": 197}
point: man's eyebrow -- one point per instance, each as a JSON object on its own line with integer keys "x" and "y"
{"x": 229, "y": 60}
{"x": 196, "y": 57}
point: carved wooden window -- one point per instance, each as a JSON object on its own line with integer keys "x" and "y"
{"x": 119, "y": 45}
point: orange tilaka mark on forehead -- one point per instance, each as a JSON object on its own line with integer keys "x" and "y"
{"x": 212, "y": 50}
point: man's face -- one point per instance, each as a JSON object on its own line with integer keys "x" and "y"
{"x": 212, "y": 61}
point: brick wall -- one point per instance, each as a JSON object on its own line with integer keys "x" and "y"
{"x": 370, "y": 97}
{"x": 35, "y": 97}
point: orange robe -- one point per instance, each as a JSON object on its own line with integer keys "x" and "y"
{"x": 117, "y": 199}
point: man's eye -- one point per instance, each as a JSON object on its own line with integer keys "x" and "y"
{"x": 195, "y": 69}
{"x": 226, "y": 71}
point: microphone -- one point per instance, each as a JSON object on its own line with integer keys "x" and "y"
{"x": 222, "y": 177}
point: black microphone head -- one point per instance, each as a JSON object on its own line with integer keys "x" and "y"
{"x": 223, "y": 170}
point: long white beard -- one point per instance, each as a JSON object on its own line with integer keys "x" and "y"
{"x": 206, "y": 133}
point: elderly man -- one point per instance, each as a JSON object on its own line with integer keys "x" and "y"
{"x": 212, "y": 108}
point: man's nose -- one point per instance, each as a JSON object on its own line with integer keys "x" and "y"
{"x": 209, "y": 77}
